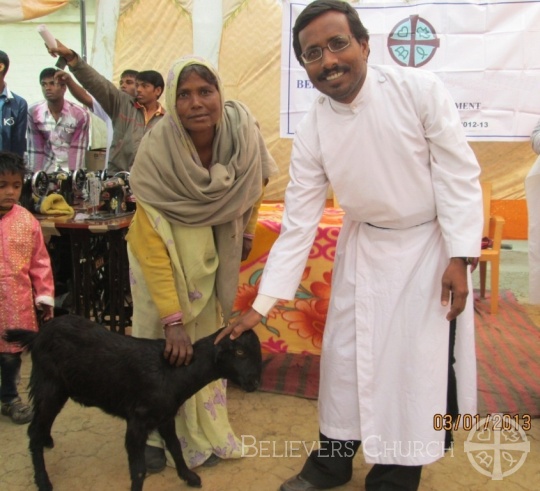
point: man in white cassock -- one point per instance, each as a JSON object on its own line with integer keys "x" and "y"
{"x": 390, "y": 143}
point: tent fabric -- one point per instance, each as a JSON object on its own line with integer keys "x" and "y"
{"x": 19, "y": 10}
{"x": 249, "y": 58}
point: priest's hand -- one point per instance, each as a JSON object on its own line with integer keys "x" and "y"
{"x": 454, "y": 287}
{"x": 240, "y": 324}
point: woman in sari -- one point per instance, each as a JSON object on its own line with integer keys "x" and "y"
{"x": 198, "y": 178}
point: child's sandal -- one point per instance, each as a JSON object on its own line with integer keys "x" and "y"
{"x": 19, "y": 412}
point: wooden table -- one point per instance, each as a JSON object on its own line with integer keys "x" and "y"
{"x": 99, "y": 265}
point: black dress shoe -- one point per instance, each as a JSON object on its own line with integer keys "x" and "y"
{"x": 297, "y": 483}
{"x": 155, "y": 459}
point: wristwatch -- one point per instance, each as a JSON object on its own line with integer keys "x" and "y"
{"x": 468, "y": 260}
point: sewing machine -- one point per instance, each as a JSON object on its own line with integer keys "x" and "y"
{"x": 68, "y": 184}
{"x": 35, "y": 187}
{"x": 116, "y": 195}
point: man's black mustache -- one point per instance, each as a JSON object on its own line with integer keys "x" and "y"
{"x": 325, "y": 73}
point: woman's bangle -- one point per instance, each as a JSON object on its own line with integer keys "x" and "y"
{"x": 175, "y": 323}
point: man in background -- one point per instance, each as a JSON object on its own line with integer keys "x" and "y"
{"x": 127, "y": 85}
{"x": 132, "y": 117}
{"x": 57, "y": 129}
{"x": 13, "y": 114}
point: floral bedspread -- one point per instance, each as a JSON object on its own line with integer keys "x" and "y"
{"x": 292, "y": 326}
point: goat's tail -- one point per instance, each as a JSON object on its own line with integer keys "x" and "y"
{"x": 22, "y": 337}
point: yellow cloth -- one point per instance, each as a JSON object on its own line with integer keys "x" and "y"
{"x": 178, "y": 264}
{"x": 55, "y": 204}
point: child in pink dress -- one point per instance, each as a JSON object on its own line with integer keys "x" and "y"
{"x": 26, "y": 280}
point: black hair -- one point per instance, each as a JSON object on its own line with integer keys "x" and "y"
{"x": 47, "y": 73}
{"x": 12, "y": 163}
{"x": 320, "y": 7}
{"x": 129, "y": 73}
{"x": 151, "y": 77}
{"x": 202, "y": 71}
{"x": 4, "y": 58}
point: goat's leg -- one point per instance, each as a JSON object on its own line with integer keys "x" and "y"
{"x": 48, "y": 402}
{"x": 48, "y": 409}
{"x": 167, "y": 431}
{"x": 136, "y": 436}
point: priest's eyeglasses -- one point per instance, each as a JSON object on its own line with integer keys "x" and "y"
{"x": 339, "y": 43}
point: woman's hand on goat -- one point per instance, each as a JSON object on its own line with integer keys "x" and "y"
{"x": 240, "y": 324}
{"x": 178, "y": 348}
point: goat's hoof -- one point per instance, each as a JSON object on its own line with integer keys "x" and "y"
{"x": 193, "y": 480}
{"x": 44, "y": 486}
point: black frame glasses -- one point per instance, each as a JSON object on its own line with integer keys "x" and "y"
{"x": 336, "y": 44}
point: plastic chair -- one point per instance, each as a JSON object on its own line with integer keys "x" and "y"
{"x": 493, "y": 229}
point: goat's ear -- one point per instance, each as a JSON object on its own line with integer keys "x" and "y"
{"x": 222, "y": 347}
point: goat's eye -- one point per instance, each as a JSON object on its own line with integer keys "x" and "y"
{"x": 239, "y": 352}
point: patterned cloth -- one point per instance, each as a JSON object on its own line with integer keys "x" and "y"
{"x": 292, "y": 326}
{"x": 62, "y": 143}
{"x": 25, "y": 273}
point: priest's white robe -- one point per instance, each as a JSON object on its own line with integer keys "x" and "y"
{"x": 399, "y": 164}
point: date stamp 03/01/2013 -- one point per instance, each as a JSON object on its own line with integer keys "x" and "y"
{"x": 468, "y": 422}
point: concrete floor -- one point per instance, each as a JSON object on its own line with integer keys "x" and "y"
{"x": 89, "y": 453}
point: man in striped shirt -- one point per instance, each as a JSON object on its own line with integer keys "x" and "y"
{"x": 57, "y": 129}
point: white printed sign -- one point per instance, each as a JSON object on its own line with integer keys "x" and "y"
{"x": 487, "y": 54}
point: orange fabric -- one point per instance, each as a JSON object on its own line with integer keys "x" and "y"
{"x": 32, "y": 9}
{"x": 295, "y": 326}
{"x": 514, "y": 212}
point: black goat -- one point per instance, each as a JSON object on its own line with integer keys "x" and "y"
{"x": 127, "y": 377}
